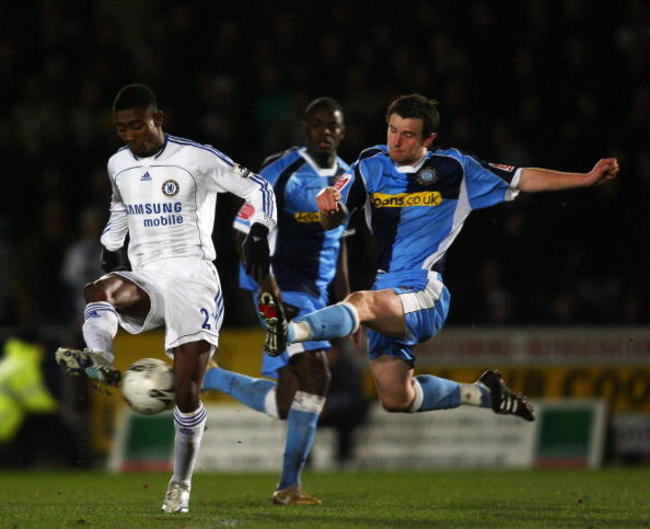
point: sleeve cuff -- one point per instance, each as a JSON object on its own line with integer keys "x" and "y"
{"x": 513, "y": 190}
{"x": 265, "y": 221}
{"x": 241, "y": 225}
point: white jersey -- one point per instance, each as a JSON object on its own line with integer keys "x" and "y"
{"x": 166, "y": 202}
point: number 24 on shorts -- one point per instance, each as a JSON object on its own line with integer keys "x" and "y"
{"x": 206, "y": 318}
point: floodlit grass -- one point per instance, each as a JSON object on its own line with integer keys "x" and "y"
{"x": 558, "y": 499}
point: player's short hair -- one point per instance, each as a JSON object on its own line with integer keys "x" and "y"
{"x": 135, "y": 96}
{"x": 327, "y": 103}
{"x": 416, "y": 106}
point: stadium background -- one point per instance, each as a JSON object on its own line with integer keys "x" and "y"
{"x": 545, "y": 83}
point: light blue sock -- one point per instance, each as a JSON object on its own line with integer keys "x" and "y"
{"x": 301, "y": 431}
{"x": 438, "y": 393}
{"x": 247, "y": 390}
{"x": 335, "y": 321}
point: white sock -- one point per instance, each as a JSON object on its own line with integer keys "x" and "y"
{"x": 100, "y": 327}
{"x": 419, "y": 397}
{"x": 271, "y": 404}
{"x": 301, "y": 331}
{"x": 470, "y": 394}
{"x": 189, "y": 431}
{"x": 309, "y": 402}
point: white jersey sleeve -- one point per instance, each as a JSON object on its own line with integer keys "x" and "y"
{"x": 255, "y": 190}
{"x": 118, "y": 224}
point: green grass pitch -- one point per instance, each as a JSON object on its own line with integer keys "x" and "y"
{"x": 611, "y": 498}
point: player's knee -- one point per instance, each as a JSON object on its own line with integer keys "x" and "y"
{"x": 395, "y": 405}
{"x": 95, "y": 292}
{"x": 318, "y": 368}
{"x": 317, "y": 381}
{"x": 367, "y": 304}
{"x": 358, "y": 299}
{"x": 313, "y": 372}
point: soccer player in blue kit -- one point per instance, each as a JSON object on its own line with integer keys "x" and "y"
{"x": 303, "y": 263}
{"x": 416, "y": 202}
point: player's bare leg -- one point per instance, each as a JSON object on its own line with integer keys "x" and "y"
{"x": 400, "y": 391}
{"x": 104, "y": 299}
{"x": 377, "y": 309}
{"x": 285, "y": 389}
{"x": 393, "y": 379}
{"x": 190, "y": 361}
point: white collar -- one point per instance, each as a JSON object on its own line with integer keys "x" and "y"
{"x": 411, "y": 168}
{"x": 330, "y": 171}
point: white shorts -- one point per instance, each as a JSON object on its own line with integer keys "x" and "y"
{"x": 186, "y": 298}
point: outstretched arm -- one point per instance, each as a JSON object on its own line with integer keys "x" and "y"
{"x": 535, "y": 179}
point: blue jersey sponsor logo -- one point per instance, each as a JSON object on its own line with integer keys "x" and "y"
{"x": 305, "y": 217}
{"x": 405, "y": 200}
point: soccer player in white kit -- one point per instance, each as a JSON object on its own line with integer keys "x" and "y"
{"x": 164, "y": 197}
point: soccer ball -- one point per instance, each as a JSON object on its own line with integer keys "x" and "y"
{"x": 148, "y": 386}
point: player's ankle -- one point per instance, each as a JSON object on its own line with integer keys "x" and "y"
{"x": 473, "y": 394}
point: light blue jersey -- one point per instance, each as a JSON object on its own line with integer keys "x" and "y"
{"x": 415, "y": 213}
{"x": 304, "y": 255}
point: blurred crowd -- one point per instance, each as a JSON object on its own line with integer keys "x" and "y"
{"x": 545, "y": 83}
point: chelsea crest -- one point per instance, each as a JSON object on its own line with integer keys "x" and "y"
{"x": 170, "y": 188}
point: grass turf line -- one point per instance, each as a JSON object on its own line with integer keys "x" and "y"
{"x": 613, "y": 498}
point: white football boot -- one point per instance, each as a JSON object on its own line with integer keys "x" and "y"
{"x": 177, "y": 497}
{"x": 93, "y": 365}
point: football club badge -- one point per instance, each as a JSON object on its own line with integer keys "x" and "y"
{"x": 341, "y": 181}
{"x": 426, "y": 176}
{"x": 503, "y": 167}
{"x": 170, "y": 188}
{"x": 246, "y": 211}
